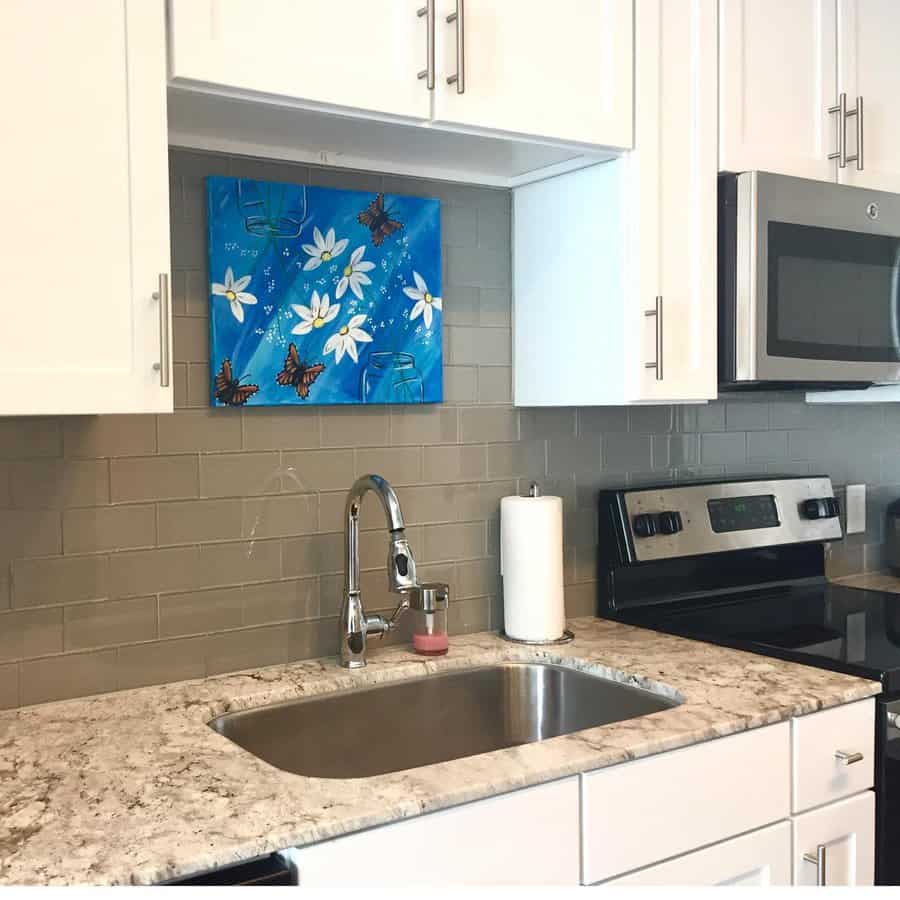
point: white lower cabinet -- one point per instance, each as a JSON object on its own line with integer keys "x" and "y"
{"x": 527, "y": 837}
{"x": 835, "y": 845}
{"x": 833, "y": 755}
{"x": 759, "y": 859}
{"x": 769, "y": 806}
{"x": 641, "y": 812}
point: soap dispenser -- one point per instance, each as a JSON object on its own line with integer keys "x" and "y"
{"x": 428, "y": 604}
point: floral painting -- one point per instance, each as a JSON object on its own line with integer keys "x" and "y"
{"x": 322, "y": 296}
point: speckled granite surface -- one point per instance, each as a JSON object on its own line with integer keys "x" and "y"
{"x": 135, "y": 788}
{"x": 872, "y": 581}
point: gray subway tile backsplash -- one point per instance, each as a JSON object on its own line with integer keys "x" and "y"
{"x": 145, "y": 549}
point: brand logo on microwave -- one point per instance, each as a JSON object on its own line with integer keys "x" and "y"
{"x": 872, "y": 210}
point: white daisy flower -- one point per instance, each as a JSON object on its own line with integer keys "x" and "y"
{"x": 344, "y": 341}
{"x": 354, "y": 274}
{"x": 233, "y": 291}
{"x": 325, "y": 249}
{"x": 320, "y": 312}
{"x": 425, "y": 302}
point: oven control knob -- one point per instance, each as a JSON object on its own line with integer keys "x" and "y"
{"x": 822, "y": 508}
{"x": 644, "y": 525}
{"x": 670, "y": 522}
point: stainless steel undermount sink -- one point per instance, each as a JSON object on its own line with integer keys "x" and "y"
{"x": 416, "y": 722}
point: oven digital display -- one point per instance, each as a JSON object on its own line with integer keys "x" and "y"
{"x": 743, "y": 513}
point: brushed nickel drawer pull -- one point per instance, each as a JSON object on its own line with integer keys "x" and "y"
{"x": 848, "y": 758}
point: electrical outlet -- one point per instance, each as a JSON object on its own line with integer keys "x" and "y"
{"x": 856, "y": 508}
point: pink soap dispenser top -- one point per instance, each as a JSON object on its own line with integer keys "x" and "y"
{"x": 428, "y": 603}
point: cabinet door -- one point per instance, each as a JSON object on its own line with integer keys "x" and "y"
{"x": 869, "y": 66}
{"x": 759, "y": 859}
{"x": 527, "y": 837}
{"x": 349, "y": 53}
{"x": 85, "y": 230}
{"x": 642, "y": 812}
{"x": 846, "y": 832}
{"x": 673, "y": 172}
{"x": 559, "y": 71}
{"x": 777, "y": 76}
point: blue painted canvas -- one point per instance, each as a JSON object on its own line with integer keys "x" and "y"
{"x": 322, "y": 296}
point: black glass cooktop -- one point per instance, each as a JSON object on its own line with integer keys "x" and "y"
{"x": 827, "y": 625}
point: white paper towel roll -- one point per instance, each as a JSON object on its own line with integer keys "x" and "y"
{"x": 531, "y": 564}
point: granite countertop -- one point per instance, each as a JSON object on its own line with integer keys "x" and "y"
{"x": 134, "y": 787}
{"x": 872, "y": 581}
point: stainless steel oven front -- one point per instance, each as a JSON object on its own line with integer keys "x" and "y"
{"x": 811, "y": 286}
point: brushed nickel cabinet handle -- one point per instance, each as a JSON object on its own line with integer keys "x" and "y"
{"x": 841, "y": 111}
{"x": 459, "y": 79}
{"x": 657, "y": 313}
{"x": 848, "y": 758}
{"x": 428, "y": 72}
{"x": 162, "y": 297}
{"x": 858, "y": 112}
{"x": 818, "y": 860}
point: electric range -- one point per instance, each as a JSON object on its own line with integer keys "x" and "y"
{"x": 742, "y": 563}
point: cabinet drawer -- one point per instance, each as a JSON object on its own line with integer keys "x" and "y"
{"x": 820, "y": 775}
{"x": 759, "y": 859}
{"x": 526, "y": 837}
{"x": 652, "y": 809}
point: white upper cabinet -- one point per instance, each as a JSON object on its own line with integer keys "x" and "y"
{"x": 357, "y": 54}
{"x": 674, "y": 195}
{"x": 783, "y": 69}
{"x": 635, "y": 319}
{"x": 85, "y": 231}
{"x": 777, "y": 79}
{"x": 869, "y": 67}
{"x": 559, "y": 70}
{"x": 504, "y": 93}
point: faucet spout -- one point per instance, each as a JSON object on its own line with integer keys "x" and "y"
{"x": 355, "y": 625}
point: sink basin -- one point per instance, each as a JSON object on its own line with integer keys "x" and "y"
{"x": 420, "y": 721}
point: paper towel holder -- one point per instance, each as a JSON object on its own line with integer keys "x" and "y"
{"x": 567, "y": 637}
{"x": 534, "y": 490}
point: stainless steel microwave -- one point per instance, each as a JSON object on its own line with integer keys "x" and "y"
{"x": 809, "y": 283}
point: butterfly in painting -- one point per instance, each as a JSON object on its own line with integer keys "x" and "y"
{"x": 229, "y": 389}
{"x": 298, "y": 374}
{"x": 377, "y": 219}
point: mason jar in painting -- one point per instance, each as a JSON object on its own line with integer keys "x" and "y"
{"x": 392, "y": 378}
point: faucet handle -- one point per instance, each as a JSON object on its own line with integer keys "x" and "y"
{"x": 401, "y": 565}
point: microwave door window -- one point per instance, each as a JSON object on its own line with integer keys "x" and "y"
{"x": 833, "y": 294}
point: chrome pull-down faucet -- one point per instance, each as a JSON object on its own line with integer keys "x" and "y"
{"x": 355, "y": 625}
